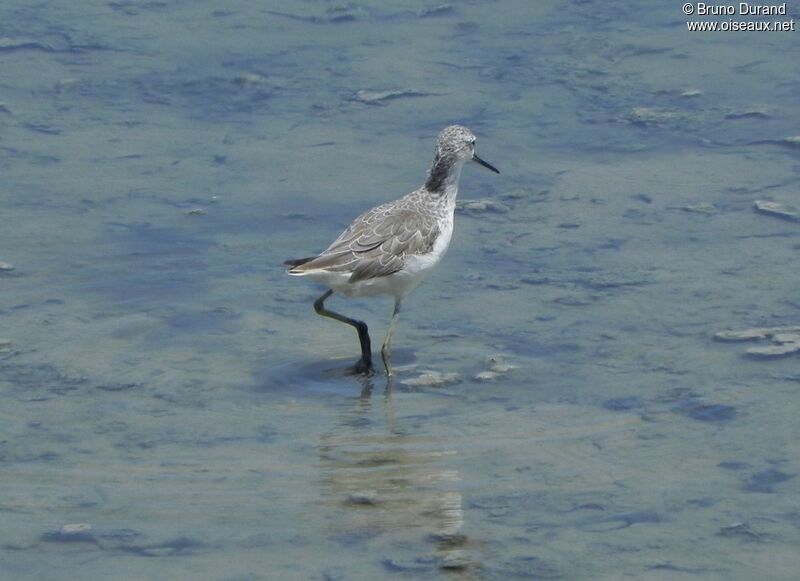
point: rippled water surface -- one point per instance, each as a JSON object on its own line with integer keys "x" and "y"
{"x": 173, "y": 408}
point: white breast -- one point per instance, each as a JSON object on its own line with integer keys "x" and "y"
{"x": 424, "y": 262}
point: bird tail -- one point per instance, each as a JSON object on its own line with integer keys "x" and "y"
{"x": 295, "y": 262}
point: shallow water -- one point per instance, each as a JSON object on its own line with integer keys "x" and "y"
{"x": 167, "y": 385}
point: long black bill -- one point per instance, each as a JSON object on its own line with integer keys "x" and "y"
{"x": 485, "y": 164}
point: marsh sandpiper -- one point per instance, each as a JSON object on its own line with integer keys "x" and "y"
{"x": 389, "y": 249}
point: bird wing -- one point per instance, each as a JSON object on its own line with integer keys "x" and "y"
{"x": 377, "y": 243}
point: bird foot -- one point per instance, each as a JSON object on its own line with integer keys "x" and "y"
{"x": 387, "y": 362}
{"x": 363, "y": 367}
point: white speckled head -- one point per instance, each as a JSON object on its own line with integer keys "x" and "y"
{"x": 454, "y": 146}
{"x": 455, "y": 140}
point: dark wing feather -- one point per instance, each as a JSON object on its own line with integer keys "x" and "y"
{"x": 297, "y": 261}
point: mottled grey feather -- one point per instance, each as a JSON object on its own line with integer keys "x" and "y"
{"x": 378, "y": 242}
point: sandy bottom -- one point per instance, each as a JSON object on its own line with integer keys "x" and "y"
{"x": 173, "y": 408}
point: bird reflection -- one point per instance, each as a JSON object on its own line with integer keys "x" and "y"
{"x": 383, "y": 479}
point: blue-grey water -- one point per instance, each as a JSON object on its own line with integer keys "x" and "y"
{"x": 172, "y": 408}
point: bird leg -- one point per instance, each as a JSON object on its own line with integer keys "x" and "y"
{"x": 386, "y": 350}
{"x": 364, "y": 365}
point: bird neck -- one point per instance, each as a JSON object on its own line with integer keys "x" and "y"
{"x": 444, "y": 175}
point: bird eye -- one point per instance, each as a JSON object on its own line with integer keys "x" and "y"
{"x": 472, "y": 143}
